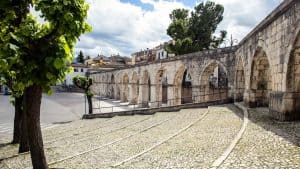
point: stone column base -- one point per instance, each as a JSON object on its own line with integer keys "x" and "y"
{"x": 285, "y": 106}
{"x": 254, "y": 98}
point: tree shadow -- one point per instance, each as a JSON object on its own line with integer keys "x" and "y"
{"x": 4, "y": 144}
{"x": 290, "y": 131}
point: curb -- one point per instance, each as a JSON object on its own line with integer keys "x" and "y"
{"x": 235, "y": 140}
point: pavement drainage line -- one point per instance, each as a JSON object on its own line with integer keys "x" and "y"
{"x": 66, "y": 131}
{"x": 6, "y": 165}
{"x": 19, "y": 154}
{"x": 62, "y": 138}
{"x": 217, "y": 163}
{"x": 84, "y": 126}
{"x": 113, "y": 142}
{"x": 16, "y": 155}
{"x": 161, "y": 142}
{"x": 111, "y": 131}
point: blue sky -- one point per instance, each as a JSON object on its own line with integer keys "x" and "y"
{"x": 126, "y": 26}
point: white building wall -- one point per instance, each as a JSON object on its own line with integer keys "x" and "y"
{"x": 80, "y": 72}
{"x": 161, "y": 54}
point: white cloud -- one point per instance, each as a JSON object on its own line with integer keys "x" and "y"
{"x": 240, "y": 17}
{"x": 125, "y": 28}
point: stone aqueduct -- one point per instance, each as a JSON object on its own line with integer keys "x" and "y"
{"x": 262, "y": 70}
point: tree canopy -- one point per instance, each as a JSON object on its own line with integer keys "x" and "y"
{"x": 195, "y": 32}
{"x": 35, "y": 55}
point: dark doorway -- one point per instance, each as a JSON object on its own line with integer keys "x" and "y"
{"x": 165, "y": 90}
{"x": 186, "y": 89}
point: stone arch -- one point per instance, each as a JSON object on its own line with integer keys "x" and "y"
{"x": 290, "y": 106}
{"x": 134, "y": 88}
{"x": 239, "y": 80}
{"x": 161, "y": 87}
{"x": 293, "y": 72}
{"x": 182, "y": 86}
{"x": 213, "y": 82}
{"x": 146, "y": 89}
{"x": 260, "y": 79}
{"x": 125, "y": 90}
{"x": 112, "y": 86}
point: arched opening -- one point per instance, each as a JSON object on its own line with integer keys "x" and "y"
{"x": 112, "y": 85}
{"x": 213, "y": 83}
{"x": 149, "y": 90}
{"x": 290, "y": 106}
{"x": 239, "y": 81}
{"x": 293, "y": 75}
{"x": 125, "y": 91}
{"x": 146, "y": 89}
{"x": 134, "y": 88}
{"x": 260, "y": 80}
{"x": 178, "y": 80}
{"x": 186, "y": 88}
{"x": 164, "y": 92}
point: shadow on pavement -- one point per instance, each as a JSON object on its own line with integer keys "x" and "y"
{"x": 289, "y": 131}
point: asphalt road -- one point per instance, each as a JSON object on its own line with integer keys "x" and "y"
{"x": 55, "y": 109}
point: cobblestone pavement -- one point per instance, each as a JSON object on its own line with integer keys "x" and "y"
{"x": 266, "y": 144}
{"x": 190, "y": 138}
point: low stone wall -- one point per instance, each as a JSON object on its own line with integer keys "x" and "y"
{"x": 151, "y": 111}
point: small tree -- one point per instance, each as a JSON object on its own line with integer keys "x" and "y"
{"x": 85, "y": 83}
{"x": 37, "y": 55}
{"x": 195, "y": 33}
{"x": 81, "y": 57}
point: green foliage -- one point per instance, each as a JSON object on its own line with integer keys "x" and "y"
{"x": 39, "y": 53}
{"x": 195, "y": 33}
{"x": 81, "y": 57}
{"x": 84, "y": 83}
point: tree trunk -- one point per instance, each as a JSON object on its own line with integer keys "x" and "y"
{"x": 17, "y": 120}
{"x": 90, "y": 103}
{"x": 24, "y": 145}
{"x": 33, "y": 97}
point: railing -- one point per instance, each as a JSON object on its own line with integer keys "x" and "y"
{"x": 207, "y": 97}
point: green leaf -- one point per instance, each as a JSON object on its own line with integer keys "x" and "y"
{"x": 13, "y": 47}
{"x": 59, "y": 63}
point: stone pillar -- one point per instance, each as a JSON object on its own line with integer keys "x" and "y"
{"x": 249, "y": 98}
{"x": 153, "y": 95}
{"x": 171, "y": 96}
{"x": 285, "y": 106}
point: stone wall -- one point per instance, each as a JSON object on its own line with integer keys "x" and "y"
{"x": 263, "y": 70}
{"x": 268, "y": 55}
{"x": 143, "y": 84}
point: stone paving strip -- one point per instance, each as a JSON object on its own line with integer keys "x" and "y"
{"x": 133, "y": 145}
{"x": 56, "y": 133}
{"x": 101, "y": 137}
{"x": 65, "y": 145}
{"x": 266, "y": 144}
{"x": 197, "y": 147}
{"x": 59, "y": 138}
{"x": 169, "y": 140}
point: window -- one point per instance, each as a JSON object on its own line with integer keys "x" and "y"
{"x": 75, "y": 70}
{"x": 81, "y": 70}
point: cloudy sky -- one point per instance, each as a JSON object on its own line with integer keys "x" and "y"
{"x": 126, "y": 26}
